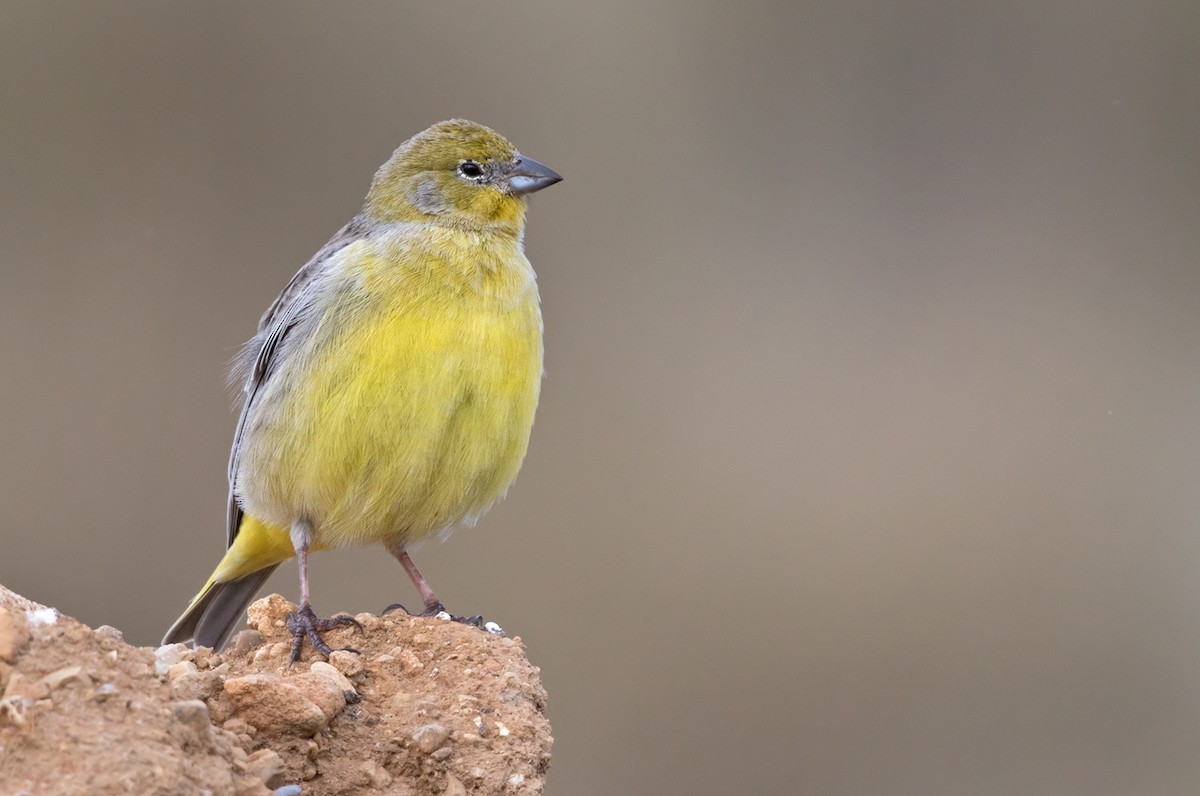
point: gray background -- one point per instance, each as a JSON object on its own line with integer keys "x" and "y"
{"x": 868, "y": 454}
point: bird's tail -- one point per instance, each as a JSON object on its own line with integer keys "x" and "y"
{"x": 213, "y": 614}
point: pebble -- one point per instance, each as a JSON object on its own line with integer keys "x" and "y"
{"x": 267, "y": 765}
{"x": 289, "y": 790}
{"x": 429, "y": 737}
{"x": 192, "y": 713}
{"x": 176, "y": 670}
{"x": 247, "y": 640}
{"x": 203, "y": 657}
{"x": 427, "y": 708}
{"x": 346, "y": 662}
{"x": 453, "y": 786}
{"x": 109, "y": 636}
{"x": 410, "y": 663}
{"x": 14, "y": 635}
{"x": 274, "y": 706}
{"x": 196, "y": 685}
{"x": 103, "y": 692}
{"x": 65, "y": 675}
{"x": 169, "y": 654}
{"x": 376, "y": 775}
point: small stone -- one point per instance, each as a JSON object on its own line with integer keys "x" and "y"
{"x": 13, "y": 711}
{"x": 410, "y": 663}
{"x": 109, "y": 636}
{"x": 103, "y": 692}
{"x": 65, "y": 675}
{"x": 40, "y": 617}
{"x": 203, "y": 657}
{"x": 274, "y": 706}
{"x": 169, "y": 654}
{"x": 346, "y": 662}
{"x": 493, "y": 628}
{"x": 322, "y": 690}
{"x": 427, "y": 708}
{"x": 179, "y": 669}
{"x": 197, "y": 685}
{"x": 329, "y": 670}
{"x": 453, "y": 786}
{"x": 385, "y": 658}
{"x": 269, "y": 615}
{"x": 289, "y": 790}
{"x": 429, "y": 737}
{"x": 193, "y": 714}
{"x": 267, "y": 765}
{"x": 375, "y": 775}
{"x": 516, "y": 780}
{"x": 239, "y": 727}
{"x": 247, "y": 640}
{"x": 14, "y": 635}
{"x": 441, "y": 754}
{"x": 442, "y": 615}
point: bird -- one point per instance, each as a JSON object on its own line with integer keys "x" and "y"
{"x": 390, "y": 389}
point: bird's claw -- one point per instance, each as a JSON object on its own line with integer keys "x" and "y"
{"x": 305, "y": 624}
{"x": 435, "y": 609}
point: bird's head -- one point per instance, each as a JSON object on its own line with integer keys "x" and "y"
{"x": 460, "y": 174}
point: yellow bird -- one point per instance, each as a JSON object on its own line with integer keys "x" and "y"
{"x": 391, "y": 387}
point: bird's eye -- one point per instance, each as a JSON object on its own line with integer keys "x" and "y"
{"x": 470, "y": 169}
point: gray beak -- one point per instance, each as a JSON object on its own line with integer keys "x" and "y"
{"x": 527, "y": 175}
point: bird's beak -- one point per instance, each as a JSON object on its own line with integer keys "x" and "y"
{"x": 527, "y": 176}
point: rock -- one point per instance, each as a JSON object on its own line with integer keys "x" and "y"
{"x": 267, "y": 703}
{"x": 64, "y": 676}
{"x": 454, "y": 786}
{"x": 109, "y": 637}
{"x": 176, "y": 670}
{"x": 348, "y": 663}
{"x": 14, "y": 635}
{"x": 429, "y": 737}
{"x": 193, "y": 714}
{"x": 246, "y": 640}
{"x": 374, "y": 775}
{"x": 169, "y": 654}
{"x": 197, "y": 685}
{"x": 323, "y": 690}
{"x": 123, "y": 719}
{"x": 327, "y": 670}
{"x": 267, "y": 765}
{"x": 269, "y": 615}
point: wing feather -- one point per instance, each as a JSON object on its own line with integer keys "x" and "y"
{"x": 255, "y": 364}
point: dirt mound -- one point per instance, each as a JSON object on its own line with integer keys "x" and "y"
{"x": 424, "y": 706}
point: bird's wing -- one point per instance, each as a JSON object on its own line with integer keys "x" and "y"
{"x": 257, "y": 360}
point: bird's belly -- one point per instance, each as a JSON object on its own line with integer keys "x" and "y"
{"x": 397, "y": 429}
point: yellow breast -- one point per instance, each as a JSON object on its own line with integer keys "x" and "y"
{"x": 405, "y": 405}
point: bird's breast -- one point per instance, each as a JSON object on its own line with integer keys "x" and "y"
{"x": 406, "y": 410}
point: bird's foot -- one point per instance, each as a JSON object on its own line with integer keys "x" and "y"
{"x": 433, "y": 609}
{"x": 305, "y": 624}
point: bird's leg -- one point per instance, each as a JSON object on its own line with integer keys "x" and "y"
{"x": 304, "y": 623}
{"x": 433, "y": 606}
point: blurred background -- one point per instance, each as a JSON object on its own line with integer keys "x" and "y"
{"x": 868, "y": 460}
